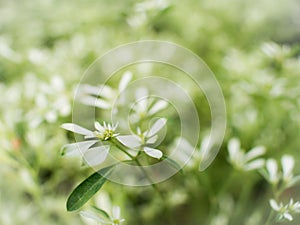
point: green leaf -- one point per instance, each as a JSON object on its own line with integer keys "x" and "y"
{"x": 173, "y": 163}
{"x": 101, "y": 212}
{"x": 87, "y": 189}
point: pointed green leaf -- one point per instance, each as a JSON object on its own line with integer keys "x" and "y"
{"x": 101, "y": 212}
{"x": 87, "y": 189}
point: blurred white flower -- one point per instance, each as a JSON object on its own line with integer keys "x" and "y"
{"x": 145, "y": 106}
{"x": 285, "y": 211}
{"x": 144, "y": 140}
{"x": 284, "y": 176}
{"x": 93, "y": 156}
{"x": 105, "y": 218}
{"x": 103, "y": 96}
{"x": 245, "y": 161}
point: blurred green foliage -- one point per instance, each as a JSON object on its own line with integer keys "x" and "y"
{"x": 46, "y": 45}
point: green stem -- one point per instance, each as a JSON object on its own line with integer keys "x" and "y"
{"x": 269, "y": 219}
{"x": 135, "y": 159}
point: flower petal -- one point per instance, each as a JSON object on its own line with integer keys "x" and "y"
{"x": 98, "y": 126}
{"x": 116, "y": 212}
{"x": 288, "y": 216}
{"x": 288, "y": 164}
{"x": 274, "y": 205}
{"x": 76, "y": 129}
{"x": 157, "y": 126}
{"x": 95, "y": 156}
{"x": 93, "y": 217}
{"x": 126, "y": 78}
{"x": 152, "y": 140}
{"x": 272, "y": 169}
{"x": 131, "y": 141}
{"x": 158, "y": 106}
{"x": 77, "y": 149}
{"x": 155, "y": 153}
{"x": 234, "y": 147}
{"x": 94, "y": 101}
{"x": 255, "y": 164}
{"x": 255, "y": 152}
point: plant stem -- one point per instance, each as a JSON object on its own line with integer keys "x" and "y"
{"x": 135, "y": 159}
{"x": 269, "y": 219}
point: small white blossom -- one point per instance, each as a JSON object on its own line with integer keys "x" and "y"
{"x": 145, "y": 106}
{"x": 284, "y": 176}
{"x": 144, "y": 140}
{"x": 114, "y": 219}
{"x": 91, "y": 155}
{"x": 103, "y": 96}
{"x": 285, "y": 211}
{"x": 245, "y": 161}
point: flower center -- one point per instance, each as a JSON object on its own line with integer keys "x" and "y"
{"x": 105, "y": 134}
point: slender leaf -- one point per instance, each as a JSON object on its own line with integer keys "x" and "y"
{"x": 87, "y": 189}
{"x": 101, "y": 212}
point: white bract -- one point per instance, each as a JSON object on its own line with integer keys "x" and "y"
{"x": 103, "y": 96}
{"x": 245, "y": 161}
{"x": 144, "y": 141}
{"x": 91, "y": 155}
{"x": 285, "y": 211}
{"x": 114, "y": 219}
{"x": 284, "y": 176}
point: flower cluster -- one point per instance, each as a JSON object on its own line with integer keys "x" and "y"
{"x": 245, "y": 161}
{"x": 93, "y": 156}
{"x": 285, "y": 211}
{"x": 144, "y": 140}
{"x": 283, "y": 178}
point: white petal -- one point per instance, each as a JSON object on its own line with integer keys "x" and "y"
{"x": 158, "y": 106}
{"x": 94, "y": 101}
{"x": 152, "y": 140}
{"x": 157, "y": 126}
{"x": 126, "y": 78}
{"x": 274, "y": 205}
{"x": 288, "y": 164}
{"x": 98, "y": 126}
{"x": 116, "y": 212}
{"x": 288, "y": 216}
{"x": 155, "y": 153}
{"x": 141, "y": 106}
{"x": 255, "y": 164}
{"x": 95, "y": 156}
{"x": 89, "y": 89}
{"x": 234, "y": 147}
{"x": 131, "y": 141}
{"x": 255, "y": 152}
{"x": 107, "y": 92}
{"x": 272, "y": 169}
{"x": 93, "y": 217}
{"x": 77, "y": 149}
{"x": 76, "y": 129}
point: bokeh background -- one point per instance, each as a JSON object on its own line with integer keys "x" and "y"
{"x": 253, "y": 48}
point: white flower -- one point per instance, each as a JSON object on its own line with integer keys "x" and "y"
{"x": 145, "y": 106}
{"x": 93, "y": 156}
{"x": 275, "y": 176}
{"x": 143, "y": 141}
{"x": 245, "y": 161}
{"x": 103, "y": 96}
{"x": 285, "y": 211}
{"x": 114, "y": 219}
